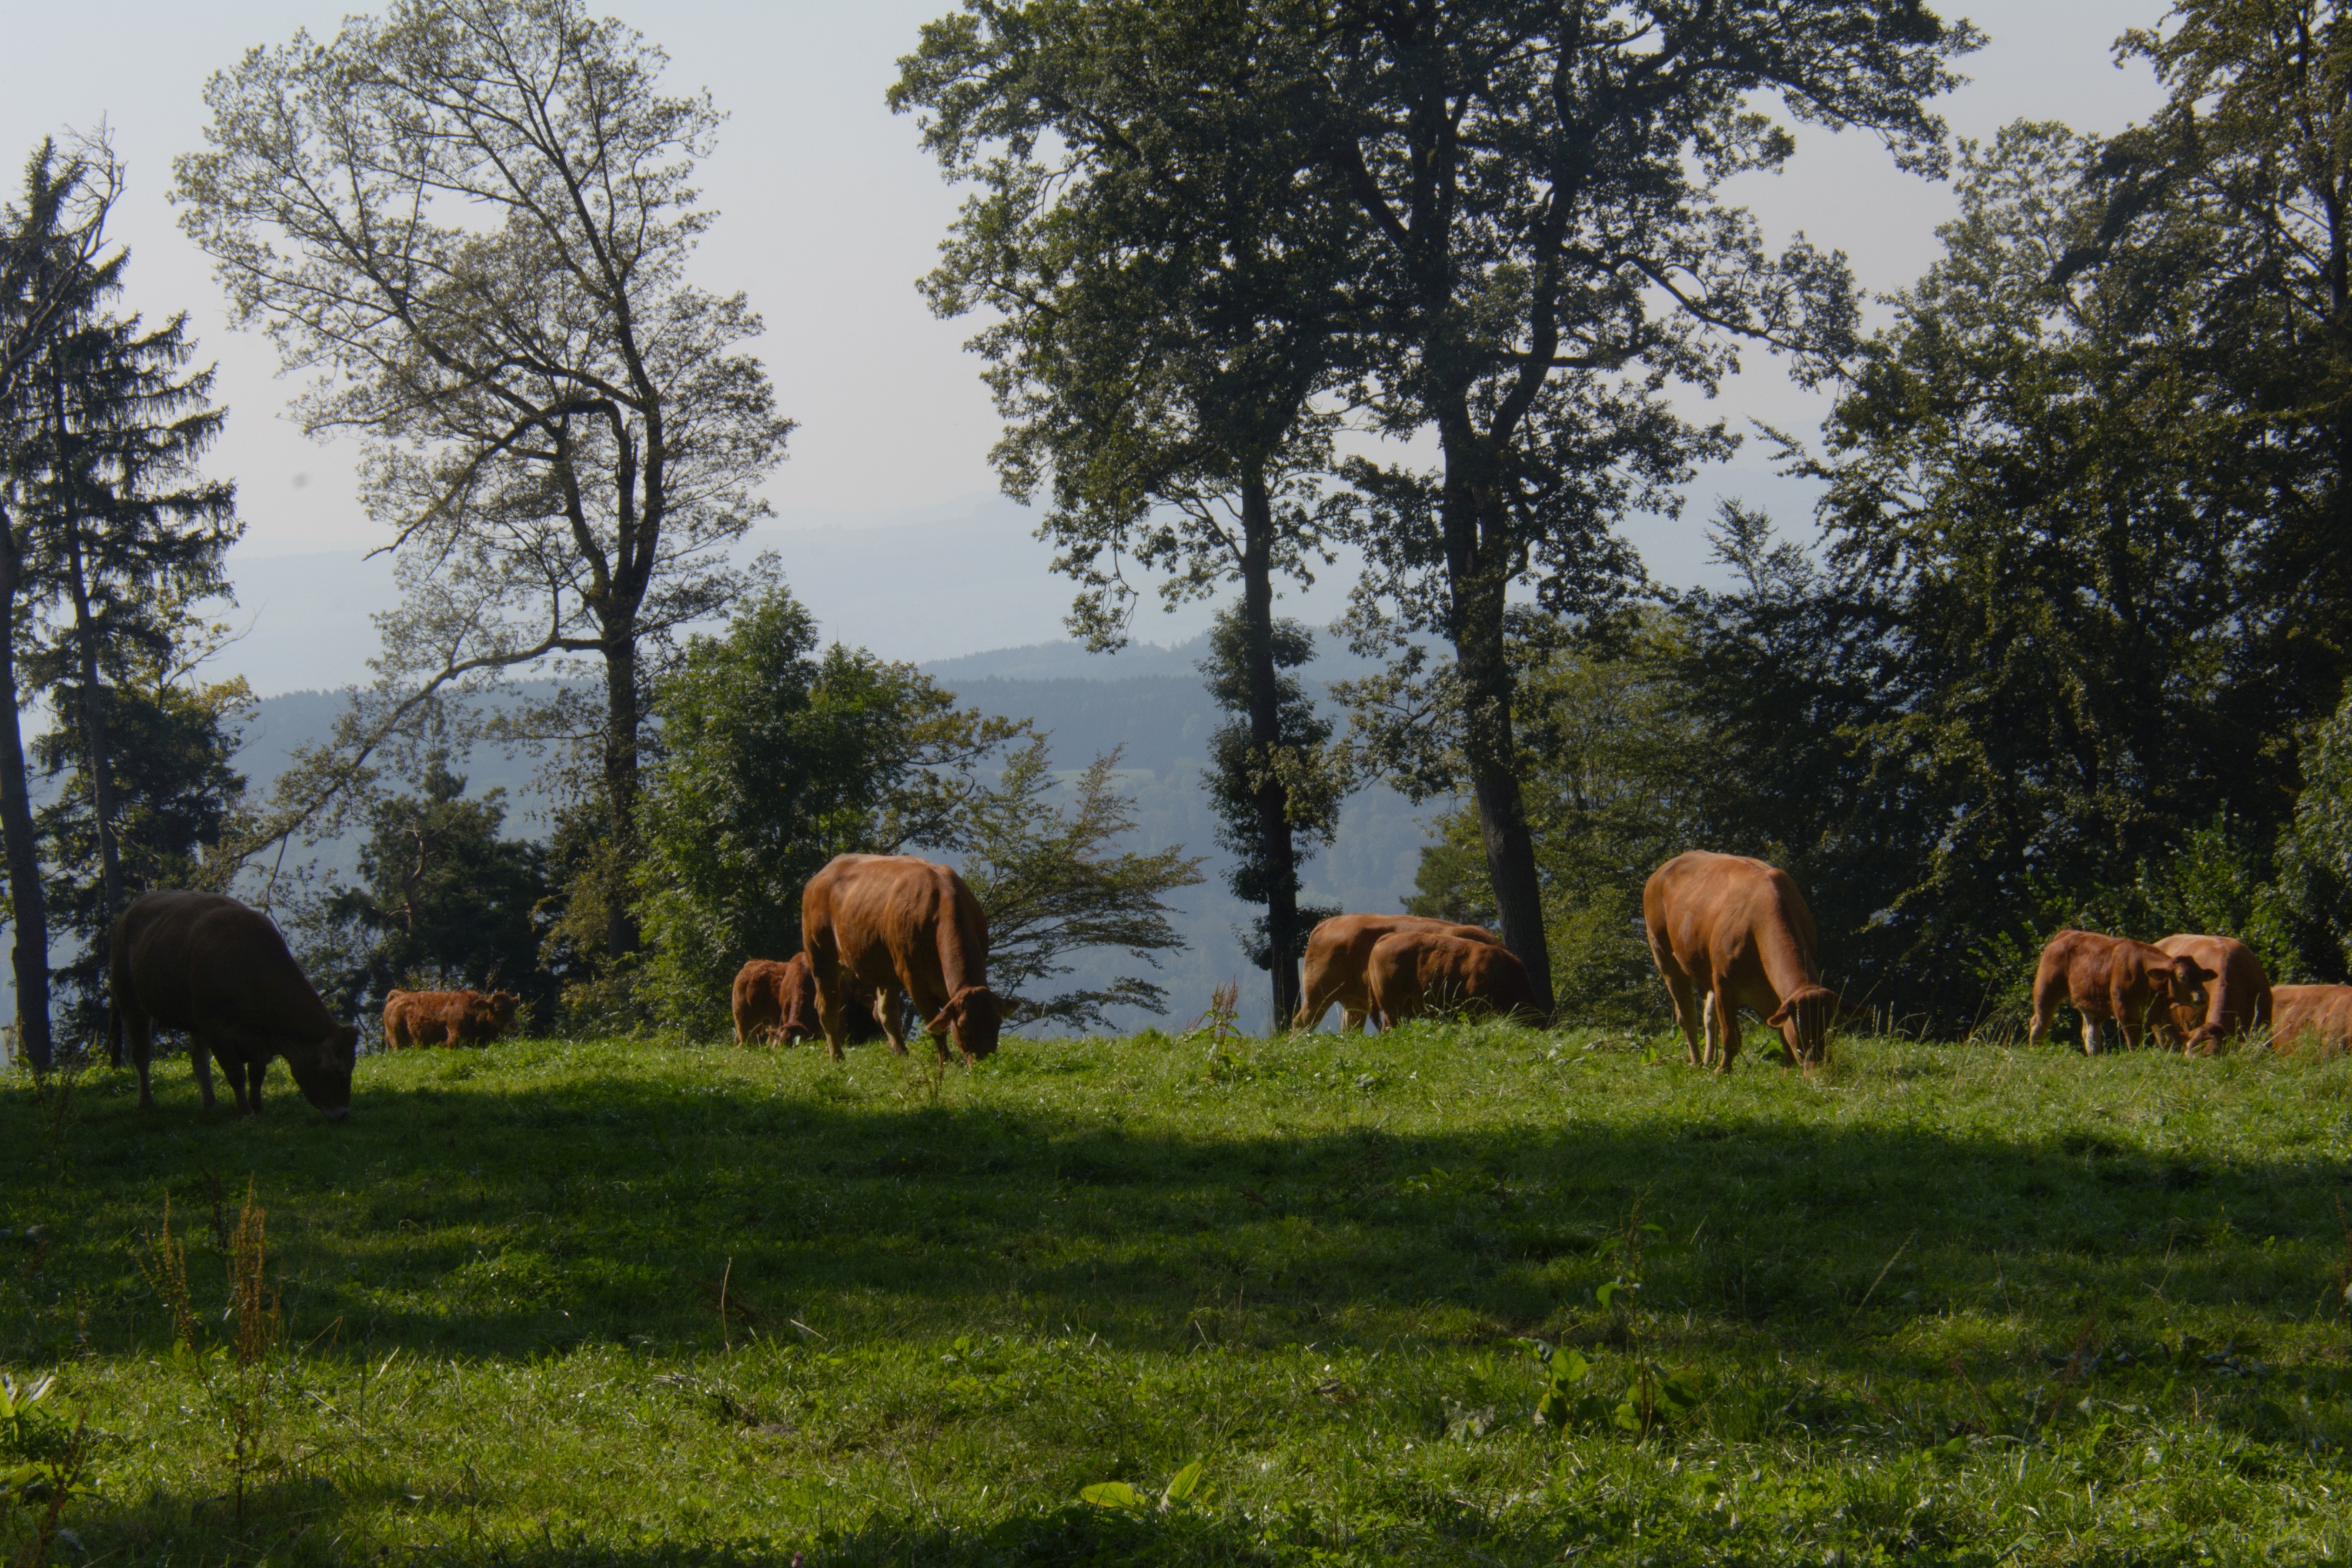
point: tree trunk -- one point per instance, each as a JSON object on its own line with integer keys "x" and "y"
{"x": 97, "y": 756}
{"x": 1275, "y": 846}
{"x": 621, "y": 785}
{"x": 28, "y": 911}
{"x": 1475, "y": 586}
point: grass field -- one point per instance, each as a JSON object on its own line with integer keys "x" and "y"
{"x": 1939, "y": 1304}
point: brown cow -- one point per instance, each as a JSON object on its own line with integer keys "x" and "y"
{"x": 2237, "y": 1003}
{"x": 447, "y": 1018}
{"x": 2321, "y": 1014}
{"x": 1727, "y": 932}
{"x": 209, "y": 966}
{"x": 1338, "y": 948}
{"x": 1413, "y": 973}
{"x": 886, "y": 926}
{"x": 2113, "y": 977}
{"x": 775, "y": 1000}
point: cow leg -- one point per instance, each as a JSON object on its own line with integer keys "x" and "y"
{"x": 1690, "y": 1017}
{"x": 1704, "y": 1055}
{"x": 1726, "y": 1029}
{"x": 2049, "y": 996}
{"x": 140, "y": 1028}
{"x": 255, "y": 1071}
{"x": 891, "y": 1014}
{"x": 2090, "y": 1035}
{"x": 200, "y": 1056}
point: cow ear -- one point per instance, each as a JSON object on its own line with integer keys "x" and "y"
{"x": 1787, "y": 1010}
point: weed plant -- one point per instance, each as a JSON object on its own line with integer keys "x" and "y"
{"x": 634, "y": 1305}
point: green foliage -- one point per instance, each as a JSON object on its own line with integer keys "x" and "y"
{"x": 176, "y": 799}
{"x": 443, "y": 902}
{"x": 2315, "y": 855}
{"x": 1052, "y": 884}
{"x": 1298, "y": 767}
{"x": 774, "y": 758}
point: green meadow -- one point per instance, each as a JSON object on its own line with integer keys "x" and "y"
{"x": 626, "y": 1304}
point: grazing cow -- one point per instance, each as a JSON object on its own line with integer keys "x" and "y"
{"x": 2237, "y": 1003}
{"x": 1727, "y": 932}
{"x": 209, "y": 966}
{"x": 1337, "y": 950}
{"x": 886, "y": 926}
{"x": 2321, "y": 1014}
{"x": 447, "y": 1018}
{"x": 775, "y": 1000}
{"x": 2113, "y": 977}
{"x": 1411, "y": 973}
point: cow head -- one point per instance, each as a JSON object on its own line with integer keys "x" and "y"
{"x": 322, "y": 1071}
{"x": 2180, "y": 1001}
{"x": 1803, "y": 1020}
{"x": 974, "y": 1017}
{"x": 503, "y": 1006}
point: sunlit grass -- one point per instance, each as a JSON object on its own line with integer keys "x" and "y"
{"x": 1953, "y": 1303}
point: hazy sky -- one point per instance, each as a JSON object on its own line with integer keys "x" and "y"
{"x": 831, "y": 211}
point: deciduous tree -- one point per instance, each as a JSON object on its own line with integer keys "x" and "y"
{"x": 473, "y": 222}
{"x": 1538, "y": 186}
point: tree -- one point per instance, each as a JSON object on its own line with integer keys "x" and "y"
{"x": 127, "y": 534}
{"x": 53, "y": 268}
{"x": 472, "y": 221}
{"x": 1296, "y": 754}
{"x": 443, "y": 901}
{"x": 774, "y": 758}
{"x": 2045, "y": 617}
{"x": 1050, "y": 885}
{"x": 174, "y": 798}
{"x": 1171, "y": 272}
{"x": 1537, "y": 186}
{"x": 2234, "y": 205}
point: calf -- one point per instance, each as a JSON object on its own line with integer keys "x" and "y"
{"x": 2237, "y": 1003}
{"x": 447, "y": 1018}
{"x": 2114, "y": 978}
{"x": 1337, "y": 950}
{"x": 1413, "y": 973}
{"x": 2319, "y": 1015}
{"x": 775, "y": 1000}
{"x": 207, "y": 964}
{"x": 1727, "y": 932}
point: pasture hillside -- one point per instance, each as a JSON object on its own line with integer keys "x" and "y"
{"x": 1937, "y": 1305}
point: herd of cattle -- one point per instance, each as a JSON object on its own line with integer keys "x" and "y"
{"x": 891, "y": 939}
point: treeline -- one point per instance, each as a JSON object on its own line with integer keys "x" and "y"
{"x": 2072, "y": 650}
{"x": 2074, "y": 646}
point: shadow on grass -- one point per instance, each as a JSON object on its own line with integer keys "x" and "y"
{"x": 603, "y": 1208}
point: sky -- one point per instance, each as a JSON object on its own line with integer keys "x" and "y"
{"x": 887, "y": 513}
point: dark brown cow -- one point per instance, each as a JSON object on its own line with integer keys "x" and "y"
{"x": 209, "y": 966}
{"x": 447, "y": 1018}
{"x": 887, "y": 926}
{"x": 1338, "y": 948}
{"x": 775, "y": 1000}
{"x": 1414, "y": 973}
{"x": 2114, "y": 978}
{"x": 2237, "y": 1003}
{"x": 1727, "y": 932}
{"x": 2306, "y": 1015}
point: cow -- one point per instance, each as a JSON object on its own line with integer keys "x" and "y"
{"x": 2237, "y": 1003}
{"x": 886, "y": 926}
{"x": 207, "y": 964}
{"x": 775, "y": 1000}
{"x": 2114, "y": 978}
{"x": 2321, "y": 1013}
{"x": 1728, "y": 932}
{"x": 1413, "y": 973}
{"x": 1338, "y": 948}
{"x": 447, "y": 1018}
